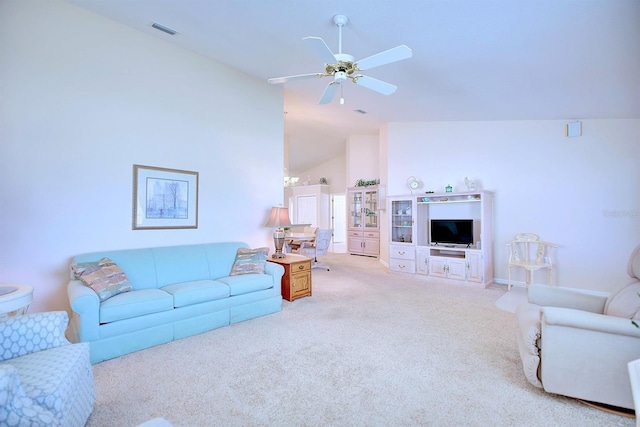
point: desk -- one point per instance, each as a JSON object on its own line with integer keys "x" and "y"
{"x": 300, "y": 237}
{"x": 14, "y": 299}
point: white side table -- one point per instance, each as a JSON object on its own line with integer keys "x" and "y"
{"x": 14, "y": 300}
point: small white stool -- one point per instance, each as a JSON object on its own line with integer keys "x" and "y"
{"x": 15, "y": 300}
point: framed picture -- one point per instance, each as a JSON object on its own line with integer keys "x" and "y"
{"x": 164, "y": 198}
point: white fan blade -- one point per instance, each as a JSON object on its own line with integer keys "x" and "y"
{"x": 278, "y": 80}
{"x": 375, "y": 84}
{"x": 321, "y": 49}
{"x": 329, "y": 92}
{"x": 398, "y": 53}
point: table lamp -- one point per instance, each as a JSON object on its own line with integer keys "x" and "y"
{"x": 278, "y": 219}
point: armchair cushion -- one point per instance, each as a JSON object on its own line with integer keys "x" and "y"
{"x": 624, "y": 302}
{"x": 21, "y": 335}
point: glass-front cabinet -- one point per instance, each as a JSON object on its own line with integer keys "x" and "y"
{"x": 402, "y": 216}
{"x": 363, "y": 209}
{"x": 363, "y": 205}
{"x": 402, "y": 226}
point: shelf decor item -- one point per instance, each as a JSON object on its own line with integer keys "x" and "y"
{"x": 448, "y": 189}
{"x": 278, "y": 219}
{"x": 164, "y": 198}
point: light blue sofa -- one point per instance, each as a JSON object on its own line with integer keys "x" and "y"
{"x": 178, "y": 291}
{"x": 44, "y": 379}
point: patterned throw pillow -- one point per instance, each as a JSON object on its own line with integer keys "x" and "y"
{"x": 104, "y": 277}
{"x": 249, "y": 261}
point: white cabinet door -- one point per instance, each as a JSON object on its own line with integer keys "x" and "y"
{"x": 371, "y": 242}
{"x": 307, "y": 210}
{"x": 422, "y": 261}
{"x": 474, "y": 267}
{"x": 438, "y": 267}
{"x": 455, "y": 269}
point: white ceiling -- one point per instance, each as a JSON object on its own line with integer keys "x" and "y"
{"x": 472, "y": 59}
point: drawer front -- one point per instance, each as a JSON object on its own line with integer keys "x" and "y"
{"x": 357, "y": 234}
{"x": 371, "y": 234}
{"x": 402, "y": 252}
{"x": 402, "y": 265}
{"x": 297, "y": 267}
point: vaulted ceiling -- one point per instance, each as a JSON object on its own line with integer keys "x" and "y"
{"x": 472, "y": 59}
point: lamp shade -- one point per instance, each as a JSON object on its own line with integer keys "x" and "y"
{"x": 279, "y": 218}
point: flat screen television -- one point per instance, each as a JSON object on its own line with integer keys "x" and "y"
{"x": 452, "y": 232}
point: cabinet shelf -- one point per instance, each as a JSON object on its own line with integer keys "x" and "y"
{"x": 433, "y": 202}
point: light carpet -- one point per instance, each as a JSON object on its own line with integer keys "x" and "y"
{"x": 512, "y": 299}
{"x": 369, "y": 348}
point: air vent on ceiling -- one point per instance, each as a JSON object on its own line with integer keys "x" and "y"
{"x": 164, "y": 29}
{"x": 360, "y": 111}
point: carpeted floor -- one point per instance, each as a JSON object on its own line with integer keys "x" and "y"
{"x": 369, "y": 348}
{"x": 511, "y": 299}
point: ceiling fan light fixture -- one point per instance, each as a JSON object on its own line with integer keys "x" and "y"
{"x": 342, "y": 66}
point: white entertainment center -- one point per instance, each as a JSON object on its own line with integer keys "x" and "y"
{"x": 465, "y": 255}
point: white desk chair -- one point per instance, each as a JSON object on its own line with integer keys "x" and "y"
{"x": 520, "y": 255}
{"x": 317, "y": 247}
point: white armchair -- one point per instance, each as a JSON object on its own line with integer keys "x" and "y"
{"x": 44, "y": 379}
{"x": 578, "y": 343}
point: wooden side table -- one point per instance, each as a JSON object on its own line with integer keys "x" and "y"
{"x": 296, "y": 281}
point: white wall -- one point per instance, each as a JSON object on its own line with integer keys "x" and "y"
{"x": 581, "y": 193}
{"x": 333, "y": 171}
{"x": 83, "y": 99}
{"x": 362, "y": 158}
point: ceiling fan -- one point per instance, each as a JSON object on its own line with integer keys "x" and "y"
{"x": 342, "y": 66}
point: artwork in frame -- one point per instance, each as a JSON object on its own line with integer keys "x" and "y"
{"x": 164, "y": 198}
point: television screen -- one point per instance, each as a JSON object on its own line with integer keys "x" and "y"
{"x": 452, "y": 231}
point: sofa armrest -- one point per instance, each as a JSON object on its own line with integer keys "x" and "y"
{"x": 274, "y": 270}
{"x": 586, "y": 321}
{"x": 585, "y": 355}
{"x": 578, "y": 299}
{"x": 85, "y": 305}
{"x": 30, "y": 333}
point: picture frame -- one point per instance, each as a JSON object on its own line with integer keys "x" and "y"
{"x": 164, "y": 198}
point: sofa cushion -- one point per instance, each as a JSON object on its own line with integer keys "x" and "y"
{"x": 104, "y": 277}
{"x": 134, "y": 304}
{"x": 249, "y": 261}
{"x": 245, "y": 283}
{"x": 179, "y": 264}
{"x": 625, "y": 302}
{"x": 189, "y": 293}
